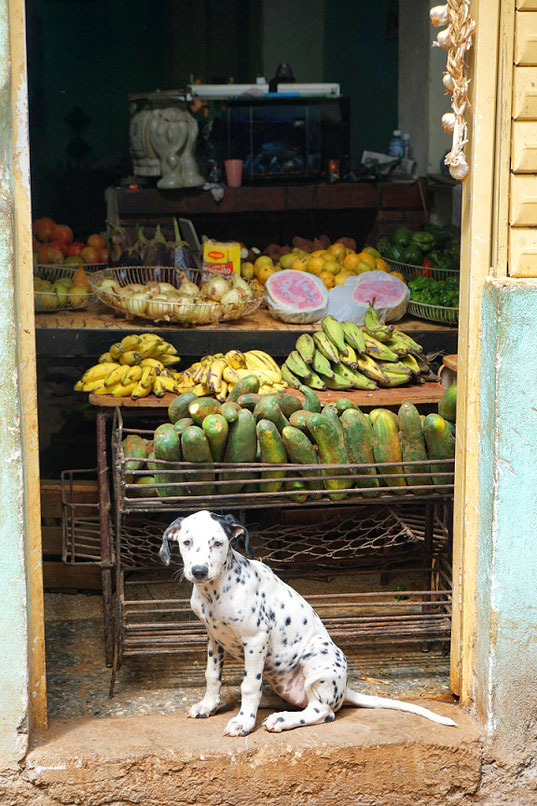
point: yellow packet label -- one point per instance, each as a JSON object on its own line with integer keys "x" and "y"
{"x": 222, "y": 258}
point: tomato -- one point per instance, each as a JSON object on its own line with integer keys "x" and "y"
{"x": 426, "y": 272}
{"x": 427, "y": 263}
{"x": 48, "y": 253}
{"x": 64, "y": 249}
{"x": 76, "y": 247}
{"x": 97, "y": 241}
{"x": 103, "y": 255}
{"x": 89, "y": 255}
{"x": 72, "y": 260}
{"x": 43, "y": 228}
{"x": 63, "y": 233}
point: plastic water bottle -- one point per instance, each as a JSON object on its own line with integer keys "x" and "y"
{"x": 406, "y": 143}
{"x": 397, "y": 147}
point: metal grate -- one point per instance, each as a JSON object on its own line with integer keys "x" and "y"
{"x": 81, "y": 536}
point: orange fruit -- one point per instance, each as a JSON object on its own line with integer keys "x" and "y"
{"x": 264, "y": 271}
{"x": 263, "y": 260}
{"x": 315, "y": 265}
{"x": 328, "y": 279}
{"x": 351, "y": 261}
{"x": 363, "y": 267}
{"x": 332, "y": 266}
{"x": 365, "y": 257}
{"x": 342, "y": 277}
{"x": 317, "y": 252}
{"x": 398, "y": 275}
{"x": 372, "y": 251}
{"x": 381, "y": 265}
{"x": 80, "y": 277}
{"x": 338, "y": 250}
{"x": 300, "y": 263}
{"x": 247, "y": 270}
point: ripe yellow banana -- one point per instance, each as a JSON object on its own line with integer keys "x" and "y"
{"x": 98, "y": 371}
{"x": 115, "y": 376}
{"x": 170, "y": 360}
{"x": 170, "y": 349}
{"x": 256, "y": 359}
{"x": 154, "y": 363}
{"x": 105, "y": 358}
{"x": 267, "y": 359}
{"x": 146, "y": 380}
{"x": 148, "y": 347}
{"x": 140, "y": 390}
{"x": 133, "y": 375}
{"x": 122, "y": 391}
{"x": 223, "y": 393}
{"x": 94, "y": 386}
{"x": 130, "y": 358}
{"x": 116, "y": 350}
{"x": 130, "y": 342}
{"x": 230, "y": 375}
{"x": 235, "y": 359}
{"x": 160, "y": 348}
{"x": 214, "y": 378}
{"x": 200, "y": 390}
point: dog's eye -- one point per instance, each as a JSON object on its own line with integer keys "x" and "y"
{"x": 218, "y": 544}
{"x": 187, "y": 543}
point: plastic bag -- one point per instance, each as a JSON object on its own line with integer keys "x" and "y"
{"x": 344, "y": 306}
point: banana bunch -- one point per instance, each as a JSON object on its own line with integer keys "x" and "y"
{"x": 134, "y": 367}
{"x": 344, "y": 356}
{"x": 218, "y": 374}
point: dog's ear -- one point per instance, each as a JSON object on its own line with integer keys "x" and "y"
{"x": 169, "y": 534}
{"x": 237, "y": 532}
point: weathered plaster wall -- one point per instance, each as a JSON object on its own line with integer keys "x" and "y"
{"x": 506, "y": 683}
{"x": 13, "y": 621}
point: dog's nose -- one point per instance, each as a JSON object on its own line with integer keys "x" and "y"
{"x": 200, "y": 572}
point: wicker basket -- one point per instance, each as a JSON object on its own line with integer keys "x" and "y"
{"x": 47, "y": 301}
{"x": 177, "y": 313}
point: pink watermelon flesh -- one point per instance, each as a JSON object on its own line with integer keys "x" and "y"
{"x": 297, "y": 291}
{"x": 387, "y": 291}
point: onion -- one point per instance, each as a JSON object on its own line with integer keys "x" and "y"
{"x": 110, "y": 286}
{"x": 159, "y": 307}
{"x": 137, "y": 304}
{"x": 153, "y": 288}
{"x": 443, "y": 39}
{"x": 447, "y": 81}
{"x": 448, "y": 122}
{"x": 166, "y": 288}
{"x": 460, "y": 170}
{"x": 189, "y": 289}
{"x": 215, "y": 288}
{"x": 132, "y": 288}
{"x": 439, "y": 15}
{"x": 232, "y": 297}
{"x": 241, "y": 285}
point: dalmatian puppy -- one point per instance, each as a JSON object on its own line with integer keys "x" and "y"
{"x": 252, "y": 614}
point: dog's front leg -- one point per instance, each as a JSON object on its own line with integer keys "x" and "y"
{"x": 213, "y": 676}
{"x": 255, "y": 652}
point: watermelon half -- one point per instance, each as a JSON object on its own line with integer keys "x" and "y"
{"x": 296, "y": 297}
{"x": 391, "y": 296}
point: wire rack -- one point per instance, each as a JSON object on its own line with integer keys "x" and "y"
{"x": 81, "y": 535}
{"x": 49, "y": 301}
{"x": 190, "y": 487}
{"x": 433, "y": 313}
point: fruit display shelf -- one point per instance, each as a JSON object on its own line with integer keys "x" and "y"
{"x": 96, "y": 327}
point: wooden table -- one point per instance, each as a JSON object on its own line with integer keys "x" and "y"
{"x": 91, "y": 331}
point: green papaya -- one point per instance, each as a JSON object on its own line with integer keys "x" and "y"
{"x": 413, "y": 444}
{"x": 332, "y": 451}
{"x": 272, "y": 452}
{"x": 387, "y": 448}
{"x": 359, "y": 443}
{"x": 178, "y": 408}
{"x": 195, "y": 448}
{"x": 216, "y": 429}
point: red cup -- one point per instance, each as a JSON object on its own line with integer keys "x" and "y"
{"x": 233, "y": 173}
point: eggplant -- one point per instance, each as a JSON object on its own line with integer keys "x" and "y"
{"x": 184, "y": 256}
{"x": 159, "y": 252}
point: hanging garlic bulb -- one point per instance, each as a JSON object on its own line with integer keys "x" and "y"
{"x": 439, "y": 15}
{"x": 447, "y": 81}
{"x": 443, "y": 39}
{"x": 460, "y": 170}
{"x": 448, "y": 122}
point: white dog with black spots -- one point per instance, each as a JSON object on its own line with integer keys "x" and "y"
{"x": 255, "y": 616}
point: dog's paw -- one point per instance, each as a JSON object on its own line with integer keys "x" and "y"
{"x": 239, "y": 726}
{"x": 203, "y": 709}
{"x": 275, "y": 723}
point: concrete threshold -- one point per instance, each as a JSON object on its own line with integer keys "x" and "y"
{"x": 363, "y": 758}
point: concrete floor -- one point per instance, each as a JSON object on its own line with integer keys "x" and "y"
{"x": 78, "y": 680}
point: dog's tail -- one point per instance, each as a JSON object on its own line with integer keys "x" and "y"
{"x": 367, "y": 701}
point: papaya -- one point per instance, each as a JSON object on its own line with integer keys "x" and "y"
{"x": 195, "y": 448}
{"x": 311, "y": 401}
{"x": 230, "y": 411}
{"x": 272, "y": 452}
{"x": 268, "y": 409}
{"x": 343, "y": 404}
{"x": 178, "y": 408}
{"x": 241, "y": 447}
{"x": 299, "y": 419}
{"x": 332, "y": 451}
{"x": 330, "y": 411}
{"x": 413, "y": 444}
{"x": 216, "y": 429}
{"x": 202, "y": 407}
{"x": 135, "y": 451}
{"x": 387, "y": 448}
{"x": 249, "y": 385}
{"x": 167, "y": 446}
{"x": 301, "y": 452}
{"x": 440, "y": 445}
{"x": 145, "y": 487}
{"x": 359, "y": 443}
{"x": 287, "y": 402}
{"x": 183, "y": 423}
{"x": 150, "y": 463}
{"x": 249, "y": 401}
{"x": 447, "y": 408}
{"x": 373, "y": 414}
{"x": 299, "y": 487}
